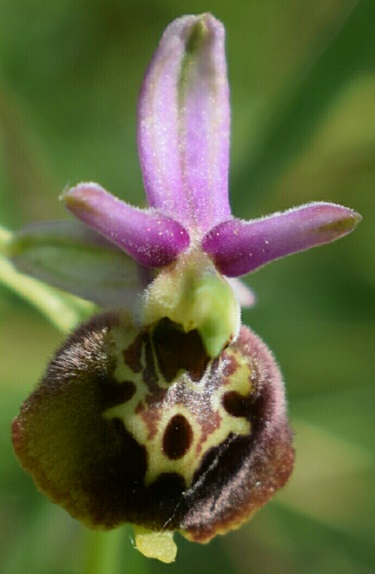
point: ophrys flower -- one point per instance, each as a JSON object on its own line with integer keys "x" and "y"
{"x": 163, "y": 411}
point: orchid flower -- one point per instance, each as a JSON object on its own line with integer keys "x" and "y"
{"x": 162, "y": 411}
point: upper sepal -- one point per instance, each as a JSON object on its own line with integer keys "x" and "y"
{"x": 184, "y": 124}
{"x": 238, "y": 247}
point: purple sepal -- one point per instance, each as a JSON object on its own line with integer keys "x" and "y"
{"x": 238, "y": 247}
{"x": 184, "y": 124}
{"x": 151, "y": 238}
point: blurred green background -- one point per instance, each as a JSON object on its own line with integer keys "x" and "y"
{"x": 302, "y": 80}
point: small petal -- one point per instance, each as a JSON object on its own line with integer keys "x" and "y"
{"x": 245, "y": 296}
{"x": 149, "y": 237}
{"x": 238, "y": 247}
{"x": 72, "y": 257}
{"x": 184, "y": 123}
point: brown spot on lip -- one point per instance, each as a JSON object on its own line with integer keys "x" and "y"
{"x": 178, "y": 437}
{"x": 139, "y": 408}
{"x": 236, "y": 404}
{"x": 210, "y": 424}
{"x": 133, "y": 354}
{"x": 230, "y": 365}
{"x": 149, "y": 375}
{"x": 151, "y": 414}
{"x": 116, "y": 393}
{"x": 178, "y": 351}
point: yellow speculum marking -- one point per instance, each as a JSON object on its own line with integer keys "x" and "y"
{"x": 151, "y": 435}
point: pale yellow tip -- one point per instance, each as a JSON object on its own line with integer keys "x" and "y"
{"x": 159, "y": 545}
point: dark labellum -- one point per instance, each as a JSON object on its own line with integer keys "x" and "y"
{"x": 140, "y": 426}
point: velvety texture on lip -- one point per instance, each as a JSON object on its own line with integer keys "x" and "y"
{"x": 197, "y": 451}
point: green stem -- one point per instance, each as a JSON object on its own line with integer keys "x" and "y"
{"x": 5, "y": 237}
{"x": 57, "y": 307}
{"x": 63, "y": 310}
{"x": 103, "y": 552}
